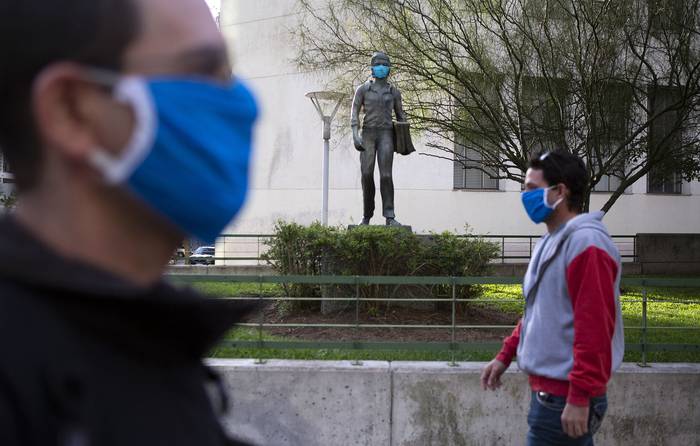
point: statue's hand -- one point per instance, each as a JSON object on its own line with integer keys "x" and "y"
{"x": 358, "y": 143}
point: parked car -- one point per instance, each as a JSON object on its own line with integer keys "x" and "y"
{"x": 204, "y": 255}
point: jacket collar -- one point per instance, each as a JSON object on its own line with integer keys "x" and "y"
{"x": 161, "y": 319}
{"x": 372, "y": 85}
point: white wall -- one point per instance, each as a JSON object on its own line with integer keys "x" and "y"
{"x": 288, "y": 155}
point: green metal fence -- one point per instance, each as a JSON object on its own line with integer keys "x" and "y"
{"x": 513, "y": 248}
{"x": 644, "y": 346}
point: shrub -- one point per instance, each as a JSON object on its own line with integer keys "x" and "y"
{"x": 299, "y": 250}
{"x": 375, "y": 251}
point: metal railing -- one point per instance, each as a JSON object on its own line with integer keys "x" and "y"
{"x": 453, "y": 346}
{"x": 513, "y": 248}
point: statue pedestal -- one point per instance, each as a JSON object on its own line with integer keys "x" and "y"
{"x": 403, "y": 227}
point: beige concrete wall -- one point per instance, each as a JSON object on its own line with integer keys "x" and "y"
{"x": 377, "y": 403}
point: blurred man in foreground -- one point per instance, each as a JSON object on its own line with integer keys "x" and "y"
{"x": 126, "y": 133}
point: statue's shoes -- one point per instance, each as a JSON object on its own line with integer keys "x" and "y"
{"x": 392, "y": 222}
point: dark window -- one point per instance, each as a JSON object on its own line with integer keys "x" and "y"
{"x": 668, "y": 183}
{"x": 610, "y": 114}
{"x": 543, "y": 107}
{"x": 545, "y": 9}
{"x": 466, "y": 176}
{"x": 477, "y": 145}
{"x": 669, "y": 16}
{"x": 5, "y": 172}
{"x": 665, "y": 134}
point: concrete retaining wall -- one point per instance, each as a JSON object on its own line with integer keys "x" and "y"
{"x": 421, "y": 404}
{"x": 669, "y": 253}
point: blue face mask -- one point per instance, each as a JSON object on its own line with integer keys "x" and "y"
{"x": 536, "y": 206}
{"x": 380, "y": 71}
{"x": 188, "y": 158}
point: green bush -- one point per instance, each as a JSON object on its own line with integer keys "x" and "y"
{"x": 375, "y": 251}
{"x": 299, "y": 250}
{"x": 8, "y": 201}
{"x": 447, "y": 254}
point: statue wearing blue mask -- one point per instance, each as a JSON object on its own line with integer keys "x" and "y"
{"x": 380, "y": 136}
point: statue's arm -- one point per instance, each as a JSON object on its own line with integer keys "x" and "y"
{"x": 357, "y": 106}
{"x": 398, "y": 107}
{"x": 357, "y": 102}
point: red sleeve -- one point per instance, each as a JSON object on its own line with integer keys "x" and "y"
{"x": 510, "y": 346}
{"x": 591, "y": 282}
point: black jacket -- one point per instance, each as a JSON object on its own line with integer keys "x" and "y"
{"x": 87, "y": 359}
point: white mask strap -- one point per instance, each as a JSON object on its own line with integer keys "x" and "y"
{"x": 116, "y": 169}
{"x": 544, "y": 197}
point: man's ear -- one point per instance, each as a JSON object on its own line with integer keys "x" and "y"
{"x": 61, "y": 106}
{"x": 565, "y": 193}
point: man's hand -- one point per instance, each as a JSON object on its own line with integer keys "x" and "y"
{"x": 491, "y": 376}
{"x": 574, "y": 420}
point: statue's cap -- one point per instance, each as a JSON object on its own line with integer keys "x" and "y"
{"x": 380, "y": 56}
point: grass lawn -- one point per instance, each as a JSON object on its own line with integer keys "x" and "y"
{"x": 674, "y": 314}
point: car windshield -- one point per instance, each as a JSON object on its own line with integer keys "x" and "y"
{"x": 204, "y": 250}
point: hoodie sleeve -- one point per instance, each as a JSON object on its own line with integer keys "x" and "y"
{"x": 591, "y": 278}
{"x": 510, "y": 346}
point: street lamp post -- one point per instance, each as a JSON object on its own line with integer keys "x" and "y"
{"x": 324, "y": 101}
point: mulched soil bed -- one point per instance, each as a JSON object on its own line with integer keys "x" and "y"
{"x": 471, "y": 315}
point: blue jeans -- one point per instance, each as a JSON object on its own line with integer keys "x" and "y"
{"x": 544, "y": 420}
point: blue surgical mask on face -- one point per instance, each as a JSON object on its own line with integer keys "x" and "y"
{"x": 536, "y": 205}
{"x": 380, "y": 71}
{"x": 188, "y": 158}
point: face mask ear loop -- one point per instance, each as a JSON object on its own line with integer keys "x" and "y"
{"x": 544, "y": 198}
{"x": 116, "y": 169}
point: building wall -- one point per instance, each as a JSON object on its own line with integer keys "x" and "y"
{"x": 287, "y": 163}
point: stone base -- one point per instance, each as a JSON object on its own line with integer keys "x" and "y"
{"x": 404, "y": 227}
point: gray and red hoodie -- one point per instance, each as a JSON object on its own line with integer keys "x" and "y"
{"x": 570, "y": 338}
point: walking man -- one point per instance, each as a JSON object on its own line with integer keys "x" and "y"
{"x": 570, "y": 338}
{"x": 379, "y": 100}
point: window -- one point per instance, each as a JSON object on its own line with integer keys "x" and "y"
{"x": 545, "y": 9}
{"x": 544, "y": 120}
{"x": 669, "y": 16}
{"x": 664, "y": 136}
{"x": 6, "y": 176}
{"x": 466, "y": 176}
{"x": 609, "y": 123}
{"x": 669, "y": 183}
{"x": 479, "y": 137}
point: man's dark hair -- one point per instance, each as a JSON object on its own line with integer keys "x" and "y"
{"x": 37, "y": 33}
{"x": 562, "y": 167}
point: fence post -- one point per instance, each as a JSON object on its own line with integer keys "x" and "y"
{"x": 452, "y": 362}
{"x": 357, "y": 321}
{"x": 503, "y": 250}
{"x": 261, "y": 321}
{"x": 644, "y": 327}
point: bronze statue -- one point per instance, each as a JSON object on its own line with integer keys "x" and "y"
{"x": 379, "y": 100}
